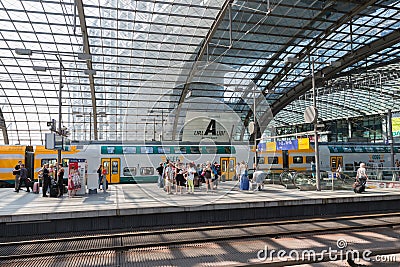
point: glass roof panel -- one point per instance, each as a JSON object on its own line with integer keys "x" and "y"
{"x": 139, "y": 49}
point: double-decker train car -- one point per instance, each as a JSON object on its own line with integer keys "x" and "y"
{"x": 126, "y": 163}
{"x": 348, "y": 155}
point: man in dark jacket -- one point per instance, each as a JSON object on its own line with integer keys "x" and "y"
{"x": 16, "y": 173}
{"x": 46, "y": 179}
{"x": 23, "y": 178}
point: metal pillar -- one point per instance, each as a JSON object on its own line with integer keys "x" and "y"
{"x": 390, "y": 138}
{"x": 317, "y": 170}
{"x": 60, "y": 112}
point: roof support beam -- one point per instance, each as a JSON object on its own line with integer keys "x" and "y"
{"x": 329, "y": 72}
{"x": 3, "y": 128}
{"x": 264, "y": 120}
{"x": 86, "y": 49}
{"x": 203, "y": 49}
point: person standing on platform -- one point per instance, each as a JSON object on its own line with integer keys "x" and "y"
{"x": 100, "y": 174}
{"x": 259, "y": 177}
{"x": 16, "y": 172}
{"x": 362, "y": 174}
{"x": 76, "y": 178}
{"x": 160, "y": 171}
{"x": 190, "y": 178}
{"x": 60, "y": 182}
{"x": 180, "y": 179}
{"x": 244, "y": 178}
{"x": 70, "y": 186}
{"x": 237, "y": 171}
{"x": 361, "y": 179}
{"x": 208, "y": 177}
{"x": 339, "y": 172}
{"x": 23, "y": 178}
{"x": 46, "y": 179}
{"x": 313, "y": 169}
{"x": 169, "y": 177}
{"x": 104, "y": 179}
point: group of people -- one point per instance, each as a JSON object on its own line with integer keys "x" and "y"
{"x": 182, "y": 176}
{"x": 51, "y": 177}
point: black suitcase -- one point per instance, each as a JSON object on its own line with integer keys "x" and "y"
{"x": 196, "y": 181}
{"x": 53, "y": 190}
{"x": 359, "y": 186}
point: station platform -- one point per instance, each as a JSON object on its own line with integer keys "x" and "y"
{"x": 129, "y": 206}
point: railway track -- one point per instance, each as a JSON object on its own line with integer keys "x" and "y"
{"x": 120, "y": 242}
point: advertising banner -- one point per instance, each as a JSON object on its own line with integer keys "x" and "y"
{"x": 304, "y": 143}
{"x": 287, "y": 145}
{"x": 396, "y": 127}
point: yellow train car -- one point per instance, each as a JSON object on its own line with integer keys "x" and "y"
{"x": 33, "y": 158}
{"x": 9, "y": 157}
{"x": 43, "y": 156}
{"x": 276, "y": 161}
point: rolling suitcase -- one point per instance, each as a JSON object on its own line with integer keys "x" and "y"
{"x": 35, "y": 188}
{"x": 244, "y": 183}
{"x": 53, "y": 190}
{"x": 359, "y": 186}
{"x": 196, "y": 181}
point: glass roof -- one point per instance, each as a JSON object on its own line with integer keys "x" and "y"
{"x": 152, "y": 57}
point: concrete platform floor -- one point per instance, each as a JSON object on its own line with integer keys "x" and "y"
{"x": 124, "y": 199}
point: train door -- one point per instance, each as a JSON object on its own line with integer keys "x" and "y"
{"x": 228, "y": 168}
{"x": 112, "y": 165}
{"x": 335, "y": 161}
{"x": 285, "y": 159}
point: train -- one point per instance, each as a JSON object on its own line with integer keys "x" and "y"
{"x": 125, "y": 163}
{"x": 348, "y": 155}
{"x": 137, "y": 163}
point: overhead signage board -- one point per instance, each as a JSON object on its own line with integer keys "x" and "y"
{"x": 50, "y": 140}
{"x": 215, "y": 127}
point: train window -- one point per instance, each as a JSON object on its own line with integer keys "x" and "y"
{"x": 347, "y": 149}
{"x": 227, "y": 150}
{"x": 115, "y": 167}
{"x": 48, "y": 161}
{"x": 272, "y": 160}
{"x": 261, "y": 160}
{"x": 129, "y": 171}
{"x": 358, "y": 149}
{"x": 310, "y": 159}
{"x": 349, "y": 167}
{"x": 380, "y": 149}
{"x": 146, "y": 171}
{"x": 146, "y": 150}
{"x": 210, "y": 149}
{"x": 297, "y": 159}
{"x": 110, "y": 150}
{"x": 369, "y": 149}
{"x": 164, "y": 150}
{"x": 129, "y": 150}
{"x": 181, "y": 149}
{"x": 194, "y": 150}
